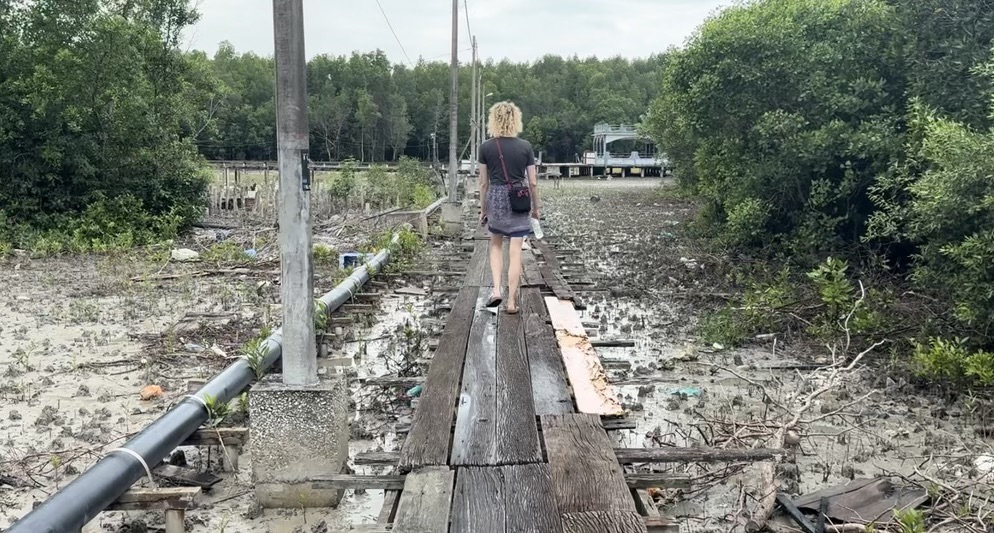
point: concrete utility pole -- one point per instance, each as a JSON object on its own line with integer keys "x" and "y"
{"x": 475, "y": 106}
{"x": 454, "y": 108}
{"x": 483, "y": 111}
{"x": 297, "y": 282}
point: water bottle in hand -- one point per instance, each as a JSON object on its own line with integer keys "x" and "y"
{"x": 537, "y": 229}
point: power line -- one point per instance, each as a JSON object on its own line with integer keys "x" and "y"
{"x": 469, "y": 31}
{"x": 386, "y": 18}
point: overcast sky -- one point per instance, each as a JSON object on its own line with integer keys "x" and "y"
{"x": 521, "y": 30}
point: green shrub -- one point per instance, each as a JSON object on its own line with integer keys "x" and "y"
{"x": 225, "y": 252}
{"x": 939, "y": 201}
{"x": 953, "y": 361}
{"x": 423, "y": 196}
{"x": 788, "y": 161}
{"x": 344, "y": 182}
{"x": 97, "y": 120}
{"x": 325, "y": 255}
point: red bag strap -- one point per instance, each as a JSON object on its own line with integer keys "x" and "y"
{"x": 502, "y": 166}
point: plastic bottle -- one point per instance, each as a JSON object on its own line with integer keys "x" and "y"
{"x": 537, "y": 229}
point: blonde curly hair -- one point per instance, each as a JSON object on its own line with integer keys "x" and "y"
{"x": 504, "y": 120}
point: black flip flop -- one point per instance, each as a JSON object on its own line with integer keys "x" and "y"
{"x": 494, "y": 301}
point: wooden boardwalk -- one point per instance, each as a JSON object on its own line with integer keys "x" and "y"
{"x": 497, "y": 443}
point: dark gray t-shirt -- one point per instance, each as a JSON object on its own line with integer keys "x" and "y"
{"x": 518, "y": 156}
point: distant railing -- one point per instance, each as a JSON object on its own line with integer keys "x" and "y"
{"x": 601, "y": 129}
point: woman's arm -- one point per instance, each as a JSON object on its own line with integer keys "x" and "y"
{"x": 533, "y": 185}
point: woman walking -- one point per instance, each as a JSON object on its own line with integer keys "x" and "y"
{"x": 509, "y": 190}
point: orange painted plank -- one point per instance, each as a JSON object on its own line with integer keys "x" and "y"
{"x": 593, "y": 392}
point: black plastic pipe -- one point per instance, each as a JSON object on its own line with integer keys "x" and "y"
{"x": 79, "y": 502}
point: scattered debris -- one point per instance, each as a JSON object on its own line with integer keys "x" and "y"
{"x": 864, "y": 501}
{"x": 150, "y": 392}
{"x": 184, "y": 254}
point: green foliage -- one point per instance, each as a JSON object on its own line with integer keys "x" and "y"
{"x": 953, "y": 361}
{"x": 325, "y": 255}
{"x": 777, "y": 302}
{"x": 402, "y": 253}
{"x": 363, "y": 107}
{"x": 939, "y": 201}
{"x": 217, "y": 410}
{"x": 758, "y": 312}
{"x": 225, "y": 252}
{"x": 321, "y": 316}
{"x": 725, "y": 327}
{"x": 343, "y": 182}
{"x": 910, "y": 520}
{"x": 786, "y": 162}
{"x": 255, "y": 354}
{"x": 98, "y": 107}
{"x": 833, "y": 286}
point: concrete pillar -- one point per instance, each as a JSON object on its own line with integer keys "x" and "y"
{"x": 452, "y": 218}
{"x": 298, "y": 432}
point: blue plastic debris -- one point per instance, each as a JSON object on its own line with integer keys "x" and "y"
{"x": 415, "y": 391}
{"x": 688, "y": 391}
{"x": 251, "y": 253}
{"x": 353, "y": 259}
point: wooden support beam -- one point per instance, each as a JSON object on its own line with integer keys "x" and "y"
{"x": 631, "y": 455}
{"x": 347, "y": 481}
{"x": 610, "y": 424}
{"x": 217, "y": 436}
{"x": 694, "y": 455}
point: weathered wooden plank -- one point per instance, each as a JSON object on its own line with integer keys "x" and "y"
{"x": 159, "y": 494}
{"x": 215, "y": 436}
{"x": 377, "y": 458}
{"x": 517, "y": 430}
{"x": 510, "y": 498}
{"x": 585, "y": 472}
{"x": 478, "y": 265}
{"x": 625, "y": 455}
{"x": 591, "y": 389}
{"x": 532, "y": 272}
{"x": 429, "y": 438}
{"x": 695, "y": 455}
{"x": 186, "y": 476}
{"x": 426, "y": 501}
{"x": 478, "y": 502}
{"x": 552, "y": 273}
{"x": 348, "y": 481}
{"x": 660, "y": 524}
{"x": 389, "y": 510}
{"x": 657, "y": 481}
{"x": 603, "y": 522}
{"x": 475, "y": 437}
{"x": 550, "y": 388}
{"x": 609, "y": 424}
{"x": 530, "y": 499}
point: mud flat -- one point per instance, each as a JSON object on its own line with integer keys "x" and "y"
{"x": 654, "y": 283}
{"x": 81, "y": 337}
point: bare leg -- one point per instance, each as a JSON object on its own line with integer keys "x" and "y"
{"x": 514, "y": 273}
{"x": 496, "y": 262}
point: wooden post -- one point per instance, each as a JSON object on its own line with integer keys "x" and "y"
{"x": 175, "y": 519}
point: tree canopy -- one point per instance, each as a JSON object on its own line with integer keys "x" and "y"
{"x": 99, "y": 109}
{"x": 364, "y": 107}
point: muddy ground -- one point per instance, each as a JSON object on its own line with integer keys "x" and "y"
{"x": 80, "y": 338}
{"x": 631, "y": 239}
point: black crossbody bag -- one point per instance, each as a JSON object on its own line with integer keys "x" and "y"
{"x": 520, "y": 195}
